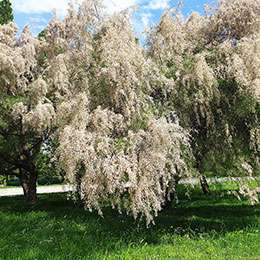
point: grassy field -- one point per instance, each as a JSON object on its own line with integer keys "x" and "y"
{"x": 213, "y": 227}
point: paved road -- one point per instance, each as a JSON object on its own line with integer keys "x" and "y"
{"x": 66, "y": 188}
{"x": 192, "y": 181}
{"x": 40, "y": 190}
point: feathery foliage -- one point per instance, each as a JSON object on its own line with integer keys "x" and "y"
{"x": 131, "y": 122}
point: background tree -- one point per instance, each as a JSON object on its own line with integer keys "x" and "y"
{"x": 46, "y": 165}
{"x": 26, "y": 112}
{"x": 6, "y": 12}
{"x": 213, "y": 62}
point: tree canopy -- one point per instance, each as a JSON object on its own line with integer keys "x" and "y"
{"x": 213, "y": 61}
{"x": 6, "y": 12}
{"x": 26, "y": 112}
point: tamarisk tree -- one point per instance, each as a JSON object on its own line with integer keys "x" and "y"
{"x": 114, "y": 141}
{"x": 26, "y": 112}
{"x": 214, "y": 63}
{"x": 89, "y": 79}
{"x": 131, "y": 122}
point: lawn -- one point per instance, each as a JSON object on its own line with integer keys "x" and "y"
{"x": 200, "y": 227}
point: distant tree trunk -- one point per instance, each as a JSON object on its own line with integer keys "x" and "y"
{"x": 5, "y": 180}
{"x": 171, "y": 197}
{"x": 203, "y": 181}
{"x": 78, "y": 188}
{"x": 28, "y": 182}
{"x": 204, "y": 185}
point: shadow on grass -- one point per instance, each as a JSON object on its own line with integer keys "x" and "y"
{"x": 90, "y": 233}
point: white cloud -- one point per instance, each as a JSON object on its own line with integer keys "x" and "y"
{"x": 61, "y": 6}
{"x": 158, "y": 4}
{"x": 145, "y": 17}
{"x": 32, "y": 6}
{"x": 38, "y": 20}
{"x": 145, "y": 21}
{"x": 37, "y": 28}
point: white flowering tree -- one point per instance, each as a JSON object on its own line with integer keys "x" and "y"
{"x": 131, "y": 122}
{"x": 26, "y": 112}
{"x": 89, "y": 78}
{"x": 114, "y": 141}
{"x": 213, "y": 61}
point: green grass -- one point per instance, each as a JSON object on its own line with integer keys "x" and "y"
{"x": 203, "y": 227}
{"x": 7, "y": 187}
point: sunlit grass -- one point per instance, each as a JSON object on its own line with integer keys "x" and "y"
{"x": 200, "y": 227}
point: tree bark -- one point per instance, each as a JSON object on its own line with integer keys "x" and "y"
{"x": 171, "y": 197}
{"x": 28, "y": 182}
{"x": 78, "y": 189}
{"x": 204, "y": 185}
{"x": 203, "y": 181}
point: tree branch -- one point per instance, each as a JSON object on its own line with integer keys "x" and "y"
{"x": 8, "y": 172}
{"x": 16, "y": 163}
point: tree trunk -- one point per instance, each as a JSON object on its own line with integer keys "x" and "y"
{"x": 28, "y": 181}
{"x": 78, "y": 189}
{"x": 204, "y": 185}
{"x": 203, "y": 181}
{"x": 171, "y": 197}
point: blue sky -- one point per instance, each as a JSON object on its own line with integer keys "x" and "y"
{"x": 39, "y": 11}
